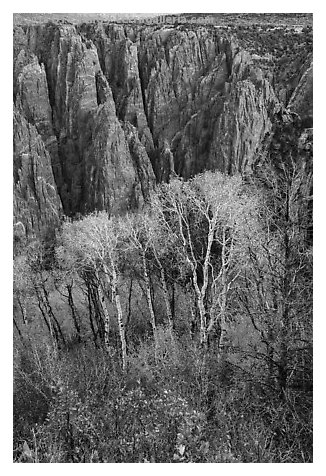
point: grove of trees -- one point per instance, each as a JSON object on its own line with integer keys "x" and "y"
{"x": 178, "y": 333}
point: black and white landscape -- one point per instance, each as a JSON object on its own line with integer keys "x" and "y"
{"x": 162, "y": 238}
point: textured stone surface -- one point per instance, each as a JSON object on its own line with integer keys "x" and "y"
{"x": 36, "y": 202}
{"x": 114, "y": 104}
{"x": 32, "y": 101}
{"x": 113, "y": 169}
{"x": 301, "y": 100}
{"x": 70, "y": 102}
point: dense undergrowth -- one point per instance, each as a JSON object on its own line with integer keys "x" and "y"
{"x": 78, "y": 406}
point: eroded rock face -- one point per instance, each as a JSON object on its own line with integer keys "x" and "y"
{"x": 113, "y": 105}
{"x": 70, "y": 102}
{"x": 36, "y": 202}
{"x": 301, "y": 101}
{"x": 246, "y": 119}
{"x": 118, "y": 173}
{"x": 184, "y": 87}
{"x": 32, "y": 101}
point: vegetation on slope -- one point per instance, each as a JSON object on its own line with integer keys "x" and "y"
{"x": 182, "y": 333}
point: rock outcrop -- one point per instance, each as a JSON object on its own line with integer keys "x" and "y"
{"x": 62, "y": 91}
{"x": 301, "y": 101}
{"x": 117, "y": 170}
{"x": 116, "y": 107}
{"x": 37, "y": 205}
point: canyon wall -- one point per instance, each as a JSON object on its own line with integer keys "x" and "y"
{"x": 103, "y": 111}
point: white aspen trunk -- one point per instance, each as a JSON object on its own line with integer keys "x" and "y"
{"x": 150, "y": 301}
{"x": 105, "y": 312}
{"x": 199, "y": 295}
{"x": 203, "y": 326}
{"x": 207, "y": 256}
{"x": 171, "y": 161}
{"x": 116, "y": 298}
{"x": 48, "y": 318}
{"x": 121, "y": 329}
{"x": 201, "y": 306}
{"x": 223, "y": 301}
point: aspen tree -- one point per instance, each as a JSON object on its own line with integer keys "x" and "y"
{"x": 93, "y": 243}
{"x": 206, "y": 218}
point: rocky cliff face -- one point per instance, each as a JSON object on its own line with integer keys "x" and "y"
{"x": 115, "y": 107}
{"x": 301, "y": 101}
{"x": 36, "y": 202}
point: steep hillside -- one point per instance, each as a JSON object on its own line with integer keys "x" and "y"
{"x": 116, "y": 107}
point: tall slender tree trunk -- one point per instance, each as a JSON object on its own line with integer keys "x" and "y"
{"x": 51, "y": 314}
{"x": 173, "y": 303}
{"x": 73, "y": 311}
{"x": 150, "y": 302}
{"x": 193, "y": 322}
{"x": 98, "y": 311}
{"x": 167, "y": 301}
{"x": 203, "y": 322}
{"x": 201, "y": 308}
{"x": 105, "y": 314}
{"x": 90, "y": 312}
{"x": 116, "y": 299}
{"x": 202, "y": 292}
{"x": 218, "y": 309}
{"x": 23, "y": 311}
{"x": 18, "y": 330}
{"x": 285, "y": 310}
{"x": 129, "y": 303}
{"x": 47, "y": 319}
{"x": 223, "y": 304}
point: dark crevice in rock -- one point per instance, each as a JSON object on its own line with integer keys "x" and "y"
{"x": 142, "y": 88}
